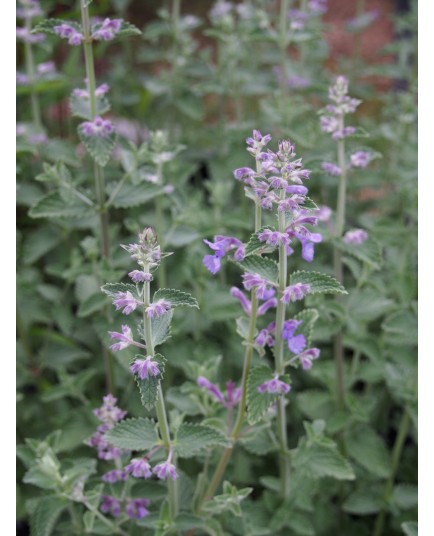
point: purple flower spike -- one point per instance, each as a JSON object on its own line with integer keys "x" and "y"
{"x": 274, "y": 386}
{"x": 98, "y": 127}
{"x": 110, "y": 505}
{"x": 297, "y": 344}
{"x": 108, "y": 30}
{"x": 137, "y": 508}
{"x": 125, "y": 338}
{"x": 355, "y": 236}
{"x": 139, "y": 468}
{"x": 295, "y": 292}
{"x": 213, "y": 389}
{"x": 245, "y": 303}
{"x": 138, "y": 276}
{"x": 145, "y": 368}
{"x": 126, "y": 301}
{"x": 157, "y": 309}
{"x": 109, "y": 413}
{"x": 360, "y": 159}
{"x": 66, "y": 31}
{"x": 307, "y": 357}
{"x": 115, "y": 476}
{"x": 166, "y": 469}
{"x": 331, "y": 169}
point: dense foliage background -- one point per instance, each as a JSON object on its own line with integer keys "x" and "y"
{"x": 185, "y": 92}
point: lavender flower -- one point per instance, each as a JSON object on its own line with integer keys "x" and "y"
{"x": 221, "y": 246}
{"x": 145, "y": 368}
{"x": 166, "y": 469}
{"x": 297, "y": 343}
{"x": 245, "y": 303}
{"x": 295, "y": 292}
{"x": 25, "y": 35}
{"x": 274, "y": 238}
{"x": 298, "y": 82}
{"x": 84, "y": 93}
{"x": 274, "y": 386}
{"x": 110, "y": 505}
{"x": 139, "y": 468}
{"x": 108, "y": 30}
{"x": 331, "y": 169}
{"x": 271, "y": 303}
{"x": 139, "y": 276}
{"x": 115, "y": 476}
{"x": 255, "y": 281}
{"x": 125, "y": 338}
{"x": 213, "y": 389}
{"x": 289, "y": 327}
{"x": 99, "y": 127}
{"x": 137, "y": 508}
{"x": 233, "y": 395}
{"x": 66, "y": 31}
{"x": 158, "y": 308}
{"x": 307, "y": 357}
{"x": 126, "y": 301}
{"x": 318, "y": 6}
{"x": 323, "y": 213}
{"x": 332, "y": 121}
{"x": 109, "y": 413}
{"x": 257, "y": 142}
{"x": 355, "y": 236}
{"x": 360, "y": 159}
{"x": 265, "y": 337}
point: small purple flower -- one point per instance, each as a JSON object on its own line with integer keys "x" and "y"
{"x": 158, "y": 308}
{"x": 298, "y": 82}
{"x": 360, "y": 159}
{"x": 137, "y": 508}
{"x": 213, "y": 389}
{"x": 289, "y": 327}
{"x": 251, "y": 281}
{"x": 126, "y": 301}
{"x": 125, "y": 338}
{"x": 331, "y": 169}
{"x": 114, "y": 476}
{"x": 296, "y": 189}
{"x": 244, "y": 173}
{"x": 138, "y": 276}
{"x": 268, "y": 304}
{"x": 27, "y": 37}
{"x": 145, "y": 368}
{"x": 329, "y": 124}
{"x": 274, "y": 386}
{"x": 212, "y": 263}
{"x": 274, "y": 238}
{"x": 323, "y": 213}
{"x": 318, "y": 6}
{"x": 341, "y": 134}
{"x": 98, "y": 127}
{"x": 110, "y": 505}
{"x": 245, "y": 303}
{"x": 264, "y": 338}
{"x": 139, "y": 468}
{"x": 66, "y": 31}
{"x": 257, "y": 143}
{"x": 166, "y": 469}
{"x": 84, "y": 93}
{"x": 295, "y": 292}
{"x": 47, "y": 67}
{"x": 108, "y": 30}
{"x": 355, "y": 236}
{"x": 109, "y": 413}
{"x": 221, "y": 246}
{"x": 297, "y": 343}
{"x": 307, "y": 357}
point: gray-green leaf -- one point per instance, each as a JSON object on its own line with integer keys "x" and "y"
{"x": 319, "y": 283}
{"x": 266, "y": 268}
{"x": 99, "y": 146}
{"x": 175, "y": 297}
{"x": 149, "y": 388}
{"x": 192, "y": 438}
{"x": 46, "y": 514}
{"x": 133, "y": 434}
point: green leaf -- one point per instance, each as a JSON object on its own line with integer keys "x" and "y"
{"x": 369, "y": 252}
{"x": 308, "y": 318}
{"x": 258, "y": 440}
{"x": 46, "y": 514}
{"x": 300, "y": 523}
{"x": 258, "y": 403}
{"x": 321, "y": 459}
{"x": 161, "y": 328}
{"x": 404, "y": 496}
{"x": 367, "y": 448}
{"x": 400, "y": 328}
{"x": 111, "y": 289}
{"x": 133, "y": 434}
{"x": 133, "y": 195}
{"x": 149, "y": 388}
{"x": 53, "y": 206}
{"x": 367, "y": 500}
{"x": 175, "y": 297}
{"x": 409, "y": 528}
{"x": 229, "y": 500}
{"x": 90, "y": 305}
{"x": 254, "y": 244}
{"x": 319, "y": 283}
{"x": 309, "y": 204}
{"x": 47, "y": 26}
{"x": 80, "y": 106}
{"x": 100, "y": 147}
{"x": 192, "y": 438}
{"x": 40, "y": 242}
{"x": 262, "y": 266}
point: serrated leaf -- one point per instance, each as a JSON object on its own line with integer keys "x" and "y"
{"x": 90, "y": 305}
{"x": 367, "y": 500}
{"x": 149, "y": 388}
{"x": 47, "y": 26}
{"x": 319, "y": 283}
{"x": 400, "y": 328}
{"x": 309, "y": 204}
{"x": 254, "y": 244}
{"x": 133, "y": 195}
{"x": 40, "y": 242}
{"x": 53, "y": 206}
{"x": 262, "y": 266}
{"x": 111, "y": 289}
{"x": 258, "y": 441}
{"x": 367, "y": 448}
{"x": 46, "y": 514}
{"x": 230, "y": 500}
{"x": 161, "y": 328}
{"x": 259, "y": 403}
{"x": 320, "y": 460}
{"x": 192, "y": 438}
{"x": 133, "y": 434}
{"x": 175, "y": 297}
{"x": 409, "y": 528}
{"x": 100, "y": 147}
{"x": 369, "y": 251}
{"x": 308, "y": 318}
{"x": 80, "y": 106}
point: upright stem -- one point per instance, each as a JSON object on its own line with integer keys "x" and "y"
{"x": 283, "y": 43}
{"x": 160, "y": 407}
{"x": 396, "y": 455}
{"x": 284, "y": 461}
{"x": 162, "y": 276}
{"x": 30, "y": 69}
{"x": 337, "y": 257}
{"x": 98, "y": 170}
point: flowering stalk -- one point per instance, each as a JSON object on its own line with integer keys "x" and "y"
{"x": 98, "y": 170}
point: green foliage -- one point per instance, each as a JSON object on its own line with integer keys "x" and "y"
{"x": 80, "y": 106}
{"x": 149, "y": 387}
{"x": 99, "y": 147}
{"x": 54, "y": 206}
{"x": 133, "y": 434}
{"x": 175, "y": 297}
{"x": 47, "y": 26}
{"x": 192, "y": 438}
{"x": 229, "y": 500}
{"x": 46, "y": 514}
{"x": 259, "y": 403}
{"x": 319, "y": 283}
{"x": 368, "y": 449}
{"x": 266, "y": 268}
{"x": 133, "y": 195}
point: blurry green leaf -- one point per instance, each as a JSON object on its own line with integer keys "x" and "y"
{"x": 368, "y": 449}
{"x": 409, "y": 528}
{"x": 90, "y": 305}
{"x": 262, "y": 266}
{"x": 404, "y": 496}
{"x": 259, "y": 403}
{"x": 80, "y": 106}
{"x": 40, "y": 242}
{"x": 369, "y": 252}
{"x": 367, "y": 500}
{"x": 161, "y": 327}
{"x": 149, "y": 387}
{"x": 228, "y": 501}
{"x": 400, "y": 328}
{"x": 111, "y": 289}
{"x": 192, "y": 438}
{"x": 319, "y": 283}
{"x": 133, "y": 434}
{"x": 46, "y": 514}
{"x": 53, "y": 206}
{"x": 99, "y": 146}
{"x": 132, "y": 195}
{"x": 175, "y": 297}
{"x": 47, "y": 26}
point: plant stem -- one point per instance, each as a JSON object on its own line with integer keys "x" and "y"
{"x": 396, "y": 455}
{"x": 104, "y": 519}
{"x": 338, "y": 271}
{"x": 98, "y": 170}
{"x": 162, "y": 277}
{"x": 160, "y": 407}
{"x": 30, "y": 69}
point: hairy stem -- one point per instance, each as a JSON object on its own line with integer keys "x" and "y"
{"x": 160, "y": 407}
{"x": 396, "y": 455}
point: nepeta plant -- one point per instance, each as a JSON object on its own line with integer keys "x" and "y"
{"x": 277, "y": 187}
